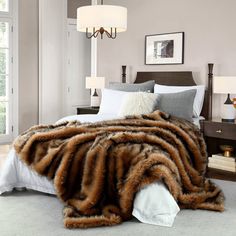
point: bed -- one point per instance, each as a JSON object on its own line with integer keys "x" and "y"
{"x": 17, "y": 175}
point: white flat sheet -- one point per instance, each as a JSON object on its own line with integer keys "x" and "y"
{"x": 101, "y": 117}
{"x": 15, "y": 174}
{"x": 196, "y": 121}
{"x": 89, "y": 118}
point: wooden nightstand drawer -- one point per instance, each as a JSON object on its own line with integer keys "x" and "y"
{"x": 219, "y": 130}
{"x": 87, "y": 110}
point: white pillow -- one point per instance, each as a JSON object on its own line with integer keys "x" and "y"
{"x": 199, "y": 98}
{"x": 111, "y": 101}
{"x": 138, "y": 103}
{"x": 155, "y": 205}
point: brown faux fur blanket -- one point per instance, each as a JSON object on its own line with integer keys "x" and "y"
{"x": 98, "y": 168}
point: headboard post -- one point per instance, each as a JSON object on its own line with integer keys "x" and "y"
{"x": 124, "y": 74}
{"x": 210, "y": 78}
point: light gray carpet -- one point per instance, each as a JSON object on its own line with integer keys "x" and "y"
{"x": 36, "y": 214}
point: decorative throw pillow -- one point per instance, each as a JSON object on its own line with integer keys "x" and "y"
{"x": 142, "y": 87}
{"x": 177, "y": 104}
{"x": 199, "y": 98}
{"x": 138, "y": 103}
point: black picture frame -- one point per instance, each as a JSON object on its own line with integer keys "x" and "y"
{"x": 164, "y": 49}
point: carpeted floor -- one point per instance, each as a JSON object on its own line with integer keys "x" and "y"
{"x": 36, "y": 214}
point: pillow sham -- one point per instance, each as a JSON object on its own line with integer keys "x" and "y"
{"x": 111, "y": 101}
{"x": 199, "y": 98}
{"x": 141, "y": 87}
{"x": 155, "y": 205}
{"x": 177, "y": 104}
{"x": 138, "y": 103}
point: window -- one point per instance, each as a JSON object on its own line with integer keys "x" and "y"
{"x": 6, "y": 70}
{"x": 4, "y": 5}
{"x": 4, "y": 77}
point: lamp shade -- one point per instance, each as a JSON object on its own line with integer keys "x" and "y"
{"x": 224, "y": 84}
{"x": 95, "y": 82}
{"x": 97, "y": 16}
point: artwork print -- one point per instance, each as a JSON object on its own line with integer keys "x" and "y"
{"x": 164, "y": 49}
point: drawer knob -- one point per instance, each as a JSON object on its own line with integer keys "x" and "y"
{"x": 219, "y": 131}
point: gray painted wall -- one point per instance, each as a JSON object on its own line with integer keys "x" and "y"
{"x": 73, "y": 5}
{"x": 209, "y": 37}
{"x": 28, "y": 64}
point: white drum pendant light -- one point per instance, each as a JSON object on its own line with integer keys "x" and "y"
{"x": 102, "y": 19}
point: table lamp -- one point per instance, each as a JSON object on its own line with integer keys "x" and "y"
{"x": 94, "y": 83}
{"x": 226, "y": 85}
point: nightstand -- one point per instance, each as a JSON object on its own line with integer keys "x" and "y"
{"x": 217, "y": 133}
{"x": 87, "y": 110}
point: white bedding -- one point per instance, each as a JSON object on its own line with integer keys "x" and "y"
{"x": 153, "y": 204}
{"x": 15, "y": 174}
{"x": 196, "y": 120}
{"x": 101, "y": 117}
{"x": 90, "y": 118}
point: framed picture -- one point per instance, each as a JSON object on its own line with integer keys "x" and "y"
{"x": 164, "y": 49}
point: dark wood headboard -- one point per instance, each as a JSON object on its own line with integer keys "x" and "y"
{"x": 173, "y": 78}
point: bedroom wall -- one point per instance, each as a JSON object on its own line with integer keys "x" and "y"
{"x": 28, "y": 64}
{"x": 28, "y": 59}
{"x": 52, "y": 59}
{"x": 72, "y": 6}
{"x": 209, "y": 37}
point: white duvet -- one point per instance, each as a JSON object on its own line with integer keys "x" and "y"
{"x": 153, "y": 204}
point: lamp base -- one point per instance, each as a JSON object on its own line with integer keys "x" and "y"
{"x": 228, "y": 111}
{"x": 95, "y": 100}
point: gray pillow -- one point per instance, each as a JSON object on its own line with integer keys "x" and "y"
{"x": 142, "y": 87}
{"x": 177, "y": 104}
